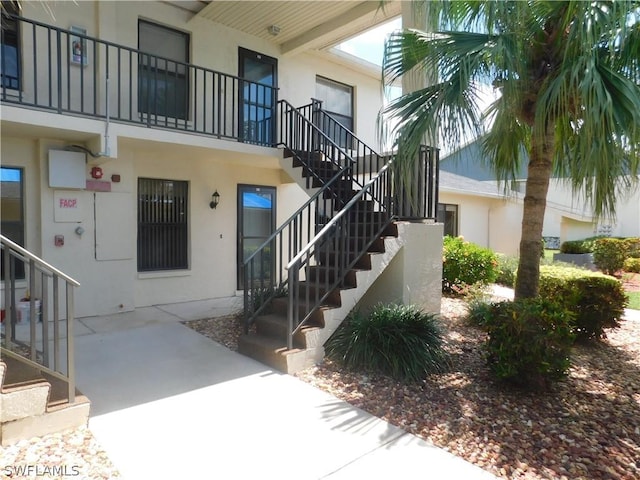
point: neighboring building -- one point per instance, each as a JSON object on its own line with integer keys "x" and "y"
{"x": 484, "y": 213}
{"x": 140, "y": 141}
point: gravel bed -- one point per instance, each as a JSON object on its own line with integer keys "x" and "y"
{"x": 69, "y": 454}
{"x": 586, "y": 427}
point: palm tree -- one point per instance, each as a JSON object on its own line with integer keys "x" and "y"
{"x": 568, "y": 74}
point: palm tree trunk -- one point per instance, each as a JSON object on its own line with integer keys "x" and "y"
{"x": 535, "y": 202}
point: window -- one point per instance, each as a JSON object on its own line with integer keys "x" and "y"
{"x": 163, "y": 82}
{"x": 337, "y": 101}
{"x": 448, "y": 214}
{"x": 162, "y": 225}
{"x": 10, "y": 61}
{"x": 12, "y": 210}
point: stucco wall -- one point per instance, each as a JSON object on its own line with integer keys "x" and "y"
{"x": 113, "y": 285}
{"x": 212, "y": 46}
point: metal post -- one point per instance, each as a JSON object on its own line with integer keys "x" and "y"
{"x": 9, "y": 304}
{"x": 71, "y": 367}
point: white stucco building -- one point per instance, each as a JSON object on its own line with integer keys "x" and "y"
{"x": 142, "y": 144}
{"x": 475, "y": 206}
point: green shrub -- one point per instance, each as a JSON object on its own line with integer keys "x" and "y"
{"x": 632, "y": 265}
{"x": 633, "y": 247}
{"x": 506, "y": 270}
{"x": 397, "y": 340}
{"x": 465, "y": 263}
{"x": 597, "y": 300}
{"x": 529, "y": 341}
{"x": 480, "y": 313}
{"x": 609, "y": 254}
{"x": 575, "y": 247}
{"x": 585, "y": 245}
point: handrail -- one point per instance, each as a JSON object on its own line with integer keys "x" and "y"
{"x": 297, "y": 213}
{"x": 44, "y": 307}
{"x": 334, "y": 220}
{"x": 27, "y": 254}
{"x": 303, "y": 140}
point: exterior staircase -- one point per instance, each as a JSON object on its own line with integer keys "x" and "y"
{"x": 34, "y": 403}
{"x": 331, "y": 251}
{"x": 37, "y": 374}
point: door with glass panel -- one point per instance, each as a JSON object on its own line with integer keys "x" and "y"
{"x": 256, "y": 223}
{"x": 257, "y": 90}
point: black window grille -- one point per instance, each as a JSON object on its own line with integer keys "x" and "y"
{"x": 162, "y": 225}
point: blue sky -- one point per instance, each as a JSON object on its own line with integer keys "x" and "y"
{"x": 370, "y": 44}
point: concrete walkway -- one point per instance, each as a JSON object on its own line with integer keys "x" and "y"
{"x": 169, "y": 403}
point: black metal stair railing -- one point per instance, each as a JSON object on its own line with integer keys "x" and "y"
{"x": 350, "y": 213}
{"x": 322, "y": 265}
{"x": 326, "y": 167}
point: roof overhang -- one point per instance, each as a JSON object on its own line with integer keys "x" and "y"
{"x": 300, "y": 25}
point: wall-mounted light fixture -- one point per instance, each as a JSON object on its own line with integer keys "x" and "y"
{"x": 215, "y": 198}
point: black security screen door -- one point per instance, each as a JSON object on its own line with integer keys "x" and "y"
{"x": 257, "y": 97}
{"x": 256, "y": 223}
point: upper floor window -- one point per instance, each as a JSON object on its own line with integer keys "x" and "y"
{"x": 12, "y": 210}
{"x": 10, "y": 53}
{"x": 337, "y": 101}
{"x": 163, "y": 82}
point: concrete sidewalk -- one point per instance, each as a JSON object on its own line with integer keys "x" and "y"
{"x": 168, "y": 403}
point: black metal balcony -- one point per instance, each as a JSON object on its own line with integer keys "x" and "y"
{"x": 49, "y": 68}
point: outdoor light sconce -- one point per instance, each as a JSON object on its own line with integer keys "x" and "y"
{"x": 215, "y": 198}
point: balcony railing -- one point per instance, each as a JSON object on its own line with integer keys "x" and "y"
{"x": 50, "y": 68}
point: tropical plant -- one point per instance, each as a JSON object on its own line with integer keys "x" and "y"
{"x": 529, "y": 341}
{"x": 465, "y": 263}
{"x": 568, "y": 74}
{"x": 401, "y": 341}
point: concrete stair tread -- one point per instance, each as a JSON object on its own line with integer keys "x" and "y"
{"x": 18, "y": 375}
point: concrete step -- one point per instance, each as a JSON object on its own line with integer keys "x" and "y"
{"x": 35, "y": 403}
{"x": 56, "y": 420}
{"x": 280, "y": 307}
{"x": 277, "y": 327}
{"x": 327, "y": 275}
{"x": 273, "y": 352}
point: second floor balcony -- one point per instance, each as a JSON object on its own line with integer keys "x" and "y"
{"x": 53, "y": 69}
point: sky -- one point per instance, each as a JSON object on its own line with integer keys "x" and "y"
{"x": 370, "y": 44}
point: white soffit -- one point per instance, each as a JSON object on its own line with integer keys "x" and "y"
{"x": 303, "y": 24}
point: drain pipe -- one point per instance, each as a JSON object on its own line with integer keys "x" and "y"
{"x": 107, "y": 150}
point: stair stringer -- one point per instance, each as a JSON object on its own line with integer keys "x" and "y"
{"x": 315, "y": 338}
{"x": 295, "y": 173}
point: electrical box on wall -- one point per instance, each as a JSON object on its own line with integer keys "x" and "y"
{"x": 67, "y": 169}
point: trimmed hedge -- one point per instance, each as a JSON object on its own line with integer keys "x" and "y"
{"x": 597, "y": 300}
{"x": 529, "y": 341}
{"x": 609, "y": 254}
{"x": 632, "y": 265}
{"x": 465, "y": 263}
